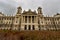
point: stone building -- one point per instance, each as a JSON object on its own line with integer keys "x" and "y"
{"x": 29, "y": 20}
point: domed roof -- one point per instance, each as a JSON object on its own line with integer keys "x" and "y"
{"x": 57, "y": 15}
{"x": 19, "y": 7}
{"x": 39, "y": 8}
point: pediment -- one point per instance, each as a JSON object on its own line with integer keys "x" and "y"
{"x": 29, "y": 13}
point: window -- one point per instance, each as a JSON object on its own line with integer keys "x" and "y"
{"x": 25, "y": 19}
{"x": 25, "y": 27}
{"x": 29, "y": 19}
{"x": 33, "y": 27}
{"x": 29, "y": 27}
{"x": 33, "y": 19}
{"x": 39, "y": 27}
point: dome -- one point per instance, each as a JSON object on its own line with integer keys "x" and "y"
{"x": 57, "y": 15}
{"x": 19, "y": 7}
{"x": 39, "y": 8}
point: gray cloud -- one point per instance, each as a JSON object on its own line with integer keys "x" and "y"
{"x": 8, "y": 7}
{"x": 50, "y": 7}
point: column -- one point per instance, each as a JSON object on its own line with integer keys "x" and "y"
{"x": 31, "y": 27}
{"x": 27, "y": 27}
{"x": 31, "y": 19}
{"x": 34, "y": 19}
{"x": 27, "y": 19}
{"x": 24, "y": 19}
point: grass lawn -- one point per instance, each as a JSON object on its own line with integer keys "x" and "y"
{"x": 29, "y": 35}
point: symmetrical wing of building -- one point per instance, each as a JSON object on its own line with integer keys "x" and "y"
{"x": 29, "y": 20}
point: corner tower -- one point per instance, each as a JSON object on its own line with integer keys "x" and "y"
{"x": 40, "y": 11}
{"x": 19, "y": 10}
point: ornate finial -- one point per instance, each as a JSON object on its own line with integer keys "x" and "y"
{"x": 29, "y": 10}
{"x": 19, "y": 7}
{"x": 19, "y": 10}
{"x": 39, "y": 8}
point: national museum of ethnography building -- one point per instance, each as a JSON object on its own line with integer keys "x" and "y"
{"x": 29, "y": 20}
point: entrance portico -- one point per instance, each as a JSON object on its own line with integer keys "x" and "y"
{"x": 29, "y": 22}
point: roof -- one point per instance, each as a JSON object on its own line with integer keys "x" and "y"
{"x": 57, "y": 15}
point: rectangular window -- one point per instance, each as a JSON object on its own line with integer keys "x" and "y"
{"x": 32, "y": 19}
{"x": 25, "y": 19}
{"x": 33, "y": 27}
{"x": 29, "y": 19}
{"x": 29, "y": 27}
{"x": 25, "y": 28}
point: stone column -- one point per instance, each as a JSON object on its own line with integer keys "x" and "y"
{"x": 31, "y": 27}
{"x": 27, "y": 27}
{"x": 34, "y": 19}
{"x": 24, "y": 19}
{"x": 31, "y": 19}
{"x": 27, "y": 19}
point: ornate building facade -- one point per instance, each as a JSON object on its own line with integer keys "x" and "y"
{"x": 29, "y": 20}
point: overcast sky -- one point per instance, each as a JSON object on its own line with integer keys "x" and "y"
{"x": 49, "y": 7}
